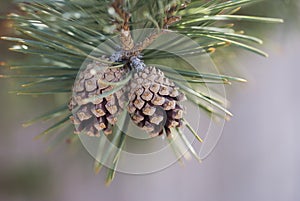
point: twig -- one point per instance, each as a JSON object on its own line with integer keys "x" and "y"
{"x": 126, "y": 38}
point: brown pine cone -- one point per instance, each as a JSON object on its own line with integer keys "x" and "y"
{"x": 98, "y": 113}
{"x": 154, "y": 102}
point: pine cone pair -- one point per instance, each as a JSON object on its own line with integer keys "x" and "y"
{"x": 153, "y": 100}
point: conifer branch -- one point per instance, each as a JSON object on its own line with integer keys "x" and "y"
{"x": 64, "y": 33}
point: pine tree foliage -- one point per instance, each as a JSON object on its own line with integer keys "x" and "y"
{"x": 63, "y": 33}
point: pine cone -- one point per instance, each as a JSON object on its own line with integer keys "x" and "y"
{"x": 99, "y": 113}
{"x": 154, "y": 102}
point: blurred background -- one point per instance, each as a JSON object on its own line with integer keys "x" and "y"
{"x": 257, "y": 157}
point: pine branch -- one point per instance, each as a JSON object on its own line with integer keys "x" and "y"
{"x": 64, "y": 33}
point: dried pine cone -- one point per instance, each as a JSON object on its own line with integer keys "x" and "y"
{"x": 154, "y": 102}
{"x": 99, "y": 113}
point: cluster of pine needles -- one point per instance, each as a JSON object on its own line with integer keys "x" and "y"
{"x": 63, "y": 34}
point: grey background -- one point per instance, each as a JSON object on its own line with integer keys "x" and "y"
{"x": 257, "y": 158}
